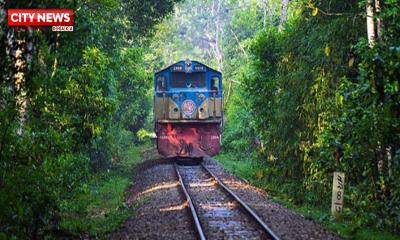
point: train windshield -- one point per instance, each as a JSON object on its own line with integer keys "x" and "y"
{"x": 190, "y": 80}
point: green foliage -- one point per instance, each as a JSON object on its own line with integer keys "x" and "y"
{"x": 236, "y": 137}
{"x": 194, "y": 32}
{"x": 246, "y": 169}
{"x": 367, "y": 126}
{"x": 99, "y": 205}
{"x": 254, "y": 171}
{"x": 30, "y": 192}
{"x": 86, "y": 95}
{"x": 323, "y": 101}
{"x": 134, "y": 83}
{"x": 146, "y": 14}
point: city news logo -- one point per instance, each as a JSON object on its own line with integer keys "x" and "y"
{"x": 58, "y": 19}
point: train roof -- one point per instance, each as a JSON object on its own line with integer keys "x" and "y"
{"x": 183, "y": 62}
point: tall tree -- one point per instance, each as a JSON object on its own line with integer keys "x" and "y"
{"x": 379, "y": 22}
{"x": 371, "y": 23}
{"x": 283, "y": 17}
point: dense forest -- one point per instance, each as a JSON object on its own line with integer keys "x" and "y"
{"x": 310, "y": 87}
{"x": 69, "y": 102}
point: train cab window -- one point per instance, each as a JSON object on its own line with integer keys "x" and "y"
{"x": 198, "y": 80}
{"x": 192, "y": 80}
{"x": 178, "y": 80}
{"x": 214, "y": 84}
{"x": 161, "y": 84}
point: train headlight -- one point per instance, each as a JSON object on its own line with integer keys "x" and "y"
{"x": 188, "y": 66}
{"x": 202, "y": 97}
{"x": 175, "y": 96}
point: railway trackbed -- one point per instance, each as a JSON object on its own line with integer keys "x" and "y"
{"x": 217, "y": 212}
{"x": 162, "y": 210}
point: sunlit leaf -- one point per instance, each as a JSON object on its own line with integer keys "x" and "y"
{"x": 351, "y": 61}
{"x": 314, "y": 11}
{"x": 327, "y": 51}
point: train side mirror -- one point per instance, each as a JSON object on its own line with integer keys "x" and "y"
{"x": 214, "y": 84}
{"x": 161, "y": 84}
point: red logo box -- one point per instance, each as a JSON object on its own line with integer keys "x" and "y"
{"x": 40, "y": 17}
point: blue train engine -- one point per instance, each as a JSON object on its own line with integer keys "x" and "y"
{"x": 188, "y": 110}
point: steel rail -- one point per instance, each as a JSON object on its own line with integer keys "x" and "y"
{"x": 244, "y": 205}
{"x": 191, "y": 206}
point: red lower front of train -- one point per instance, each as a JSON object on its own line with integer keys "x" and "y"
{"x": 188, "y": 139}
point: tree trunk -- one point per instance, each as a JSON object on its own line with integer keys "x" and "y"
{"x": 264, "y": 14}
{"x": 370, "y": 23}
{"x": 19, "y": 47}
{"x": 218, "y": 34}
{"x": 3, "y": 13}
{"x": 379, "y": 22}
{"x": 239, "y": 44}
{"x": 283, "y": 18}
{"x": 268, "y": 10}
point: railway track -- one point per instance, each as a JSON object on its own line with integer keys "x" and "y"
{"x": 217, "y": 212}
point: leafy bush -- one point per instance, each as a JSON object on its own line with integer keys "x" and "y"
{"x": 323, "y": 101}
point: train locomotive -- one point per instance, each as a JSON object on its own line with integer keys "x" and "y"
{"x": 188, "y": 110}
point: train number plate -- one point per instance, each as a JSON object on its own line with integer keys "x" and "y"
{"x": 188, "y": 107}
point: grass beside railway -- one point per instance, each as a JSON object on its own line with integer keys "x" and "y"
{"x": 346, "y": 226}
{"x": 99, "y": 208}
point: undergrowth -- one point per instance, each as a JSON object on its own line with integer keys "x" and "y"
{"x": 100, "y": 207}
{"x": 346, "y": 226}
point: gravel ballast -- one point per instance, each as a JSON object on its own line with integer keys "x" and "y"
{"x": 161, "y": 211}
{"x": 285, "y": 223}
{"x": 220, "y": 215}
